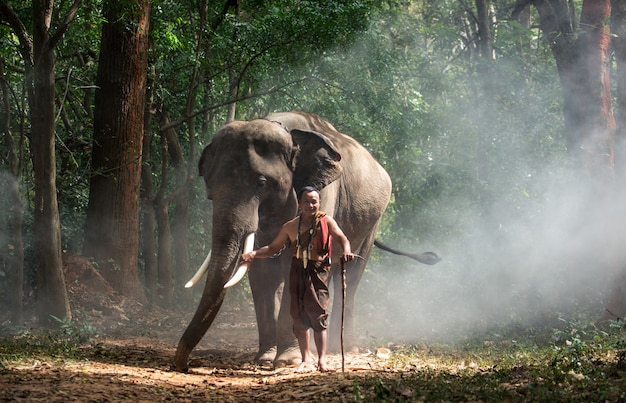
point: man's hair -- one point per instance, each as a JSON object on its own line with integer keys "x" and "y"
{"x": 307, "y": 189}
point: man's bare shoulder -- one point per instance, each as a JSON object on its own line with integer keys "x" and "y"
{"x": 333, "y": 226}
{"x": 291, "y": 226}
{"x": 330, "y": 220}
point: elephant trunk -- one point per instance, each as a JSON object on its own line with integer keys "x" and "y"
{"x": 239, "y": 273}
{"x": 219, "y": 268}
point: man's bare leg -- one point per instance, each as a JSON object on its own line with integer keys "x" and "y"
{"x": 320, "y": 344}
{"x": 303, "y": 341}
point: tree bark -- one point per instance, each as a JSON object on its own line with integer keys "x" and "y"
{"x": 618, "y": 28}
{"x": 485, "y": 96}
{"x": 598, "y": 133}
{"x": 582, "y": 59}
{"x": 180, "y": 215}
{"x": 13, "y": 255}
{"x": 52, "y": 297}
{"x": 185, "y": 172}
{"x": 149, "y": 226}
{"x": 164, "y": 237}
{"x": 112, "y": 225}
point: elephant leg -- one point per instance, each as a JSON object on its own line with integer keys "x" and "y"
{"x": 266, "y": 292}
{"x": 288, "y": 353}
{"x": 196, "y": 330}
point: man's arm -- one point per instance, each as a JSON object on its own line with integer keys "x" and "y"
{"x": 338, "y": 234}
{"x": 271, "y": 249}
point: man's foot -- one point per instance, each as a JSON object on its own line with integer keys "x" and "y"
{"x": 322, "y": 367}
{"x": 305, "y": 367}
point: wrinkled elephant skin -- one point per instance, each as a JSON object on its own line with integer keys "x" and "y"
{"x": 252, "y": 170}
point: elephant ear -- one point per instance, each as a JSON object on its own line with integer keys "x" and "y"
{"x": 317, "y": 162}
{"x": 205, "y": 159}
{"x": 204, "y": 164}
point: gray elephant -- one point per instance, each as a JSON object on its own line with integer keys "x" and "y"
{"x": 252, "y": 170}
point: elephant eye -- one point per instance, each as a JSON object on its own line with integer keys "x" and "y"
{"x": 262, "y": 181}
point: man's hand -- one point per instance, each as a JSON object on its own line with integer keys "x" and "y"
{"x": 347, "y": 257}
{"x": 248, "y": 257}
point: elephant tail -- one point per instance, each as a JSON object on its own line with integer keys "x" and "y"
{"x": 426, "y": 257}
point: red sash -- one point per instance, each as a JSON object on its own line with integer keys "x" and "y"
{"x": 323, "y": 242}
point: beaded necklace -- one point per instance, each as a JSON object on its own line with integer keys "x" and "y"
{"x": 306, "y": 253}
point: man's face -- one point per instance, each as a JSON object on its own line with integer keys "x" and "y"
{"x": 309, "y": 203}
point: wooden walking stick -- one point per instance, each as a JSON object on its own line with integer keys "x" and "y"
{"x": 343, "y": 312}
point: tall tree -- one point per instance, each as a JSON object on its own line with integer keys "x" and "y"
{"x": 13, "y": 255}
{"x": 112, "y": 224}
{"x": 40, "y": 61}
{"x": 618, "y": 41}
{"x": 581, "y": 52}
{"x": 582, "y": 55}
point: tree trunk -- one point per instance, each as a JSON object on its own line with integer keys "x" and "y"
{"x": 595, "y": 137}
{"x": 185, "y": 172}
{"x": 112, "y": 225}
{"x": 618, "y": 28}
{"x": 583, "y": 60}
{"x": 180, "y": 244}
{"x": 616, "y": 306}
{"x": 51, "y": 293}
{"x": 485, "y": 38}
{"x": 180, "y": 197}
{"x": 14, "y": 253}
{"x": 583, "y": 64}
{"x": 164, "y": 245}
{"x": 485, "y": 97}
{"x": 234, "y": 80}
{"x": 149, "y": 226}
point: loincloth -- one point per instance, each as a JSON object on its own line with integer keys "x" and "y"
{"x": 309, "y": 295}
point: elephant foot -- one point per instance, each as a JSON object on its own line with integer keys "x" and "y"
{"x": 289, "y": 357}
{"x": 265, "y": 357}
{"x": 181, "y": 364}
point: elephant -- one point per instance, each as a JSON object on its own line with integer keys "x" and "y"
{"x": 252, "y": 170}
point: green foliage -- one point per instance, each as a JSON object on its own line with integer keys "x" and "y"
{"x": 76, "y": 332}
{"x": 463, "y": 139}
{"x": 567, "y": 363}
{"x": 63, "y": 343}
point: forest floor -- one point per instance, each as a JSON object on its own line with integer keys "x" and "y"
{"x": 117, "y": 349}
{"x": 128, "y": 352}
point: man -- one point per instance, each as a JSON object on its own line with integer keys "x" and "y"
{"x": 309, "y": 237}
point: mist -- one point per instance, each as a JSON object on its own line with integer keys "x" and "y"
{"x": 558, "y": 260}
{"x": 525, "y": 238}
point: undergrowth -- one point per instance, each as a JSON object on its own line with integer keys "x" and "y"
{"x": 571, "y": 362}
{"x": 63, "y": 343}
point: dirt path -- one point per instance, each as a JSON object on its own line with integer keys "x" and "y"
{"x": 139, "y": 368}
{"x": 131, "y": 359}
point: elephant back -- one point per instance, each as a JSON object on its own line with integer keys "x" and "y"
{"x": 359, "y": 195}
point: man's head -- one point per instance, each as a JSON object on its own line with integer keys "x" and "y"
{"x": 309, "y": 200}
{"x": 307, "y": 189}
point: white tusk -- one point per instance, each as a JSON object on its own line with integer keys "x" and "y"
{"x": 242, "y": 269}
{"x": 205, "y": 265}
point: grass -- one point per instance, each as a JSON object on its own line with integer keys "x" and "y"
{"x": 574, "y": 363}
{"x": 17, "y": 344}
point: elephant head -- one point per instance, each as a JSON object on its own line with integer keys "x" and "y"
{"x": 250, "y": 170}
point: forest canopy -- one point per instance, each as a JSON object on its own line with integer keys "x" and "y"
{"x": 467, "y": 106}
